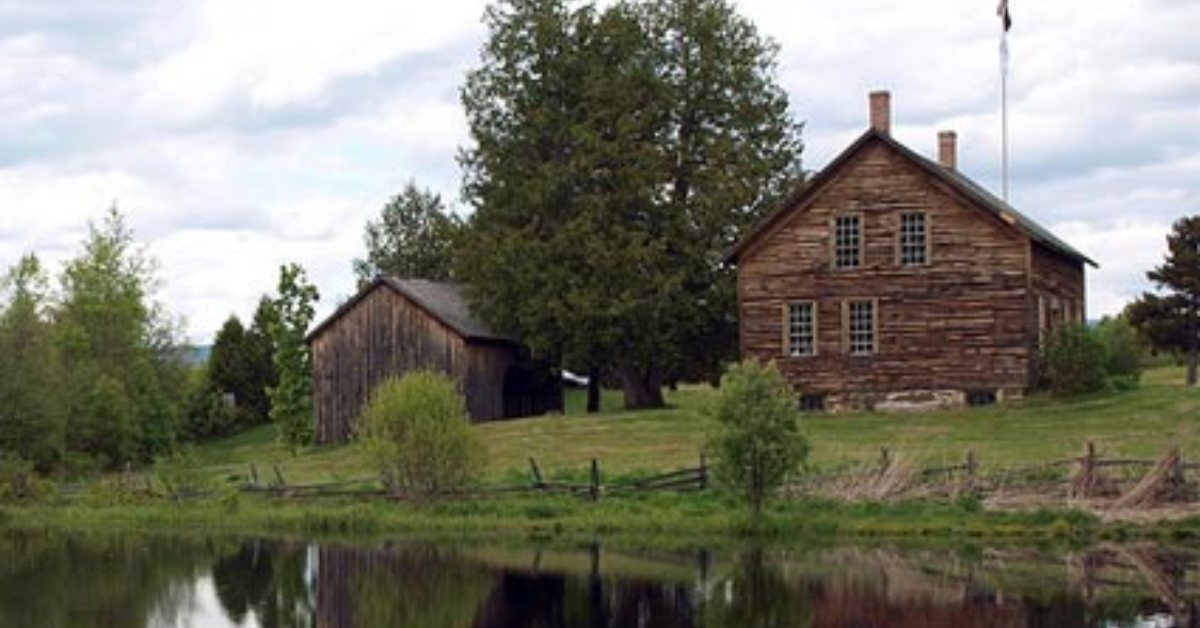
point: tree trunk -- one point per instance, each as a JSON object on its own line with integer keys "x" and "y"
{"x": 593, "y": 391}
{"x": 642, "y": 386}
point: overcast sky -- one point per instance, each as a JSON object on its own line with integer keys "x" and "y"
{"x": 238, "y": 135}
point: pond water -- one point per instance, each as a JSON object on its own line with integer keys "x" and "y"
{"x": 53, "y": 580}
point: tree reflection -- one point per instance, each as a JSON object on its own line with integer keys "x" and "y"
{"x": 757, "y": 594}
{"x": 271, "y": 580}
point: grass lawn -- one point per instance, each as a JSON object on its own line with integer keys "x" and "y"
{"x": 1143, "y": 423}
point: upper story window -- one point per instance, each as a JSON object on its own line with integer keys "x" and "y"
{"x": 914, "y": 239}
{"x": 861, "y": 326}
{"x": 847, "y": 239}
{"x": 802, "y": 327}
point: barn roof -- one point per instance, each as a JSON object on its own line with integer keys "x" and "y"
{"x": 951, "y": 177}
{"x": 442, "y": 300}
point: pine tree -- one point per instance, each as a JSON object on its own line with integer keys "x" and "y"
{"x": 1172, "y": 321}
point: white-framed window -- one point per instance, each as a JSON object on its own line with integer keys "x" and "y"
{"x": 801, "y": 329}
{"x": 847, "y": 241}
{"x": 861, "y": 327}
{"x": 914, "y": 239}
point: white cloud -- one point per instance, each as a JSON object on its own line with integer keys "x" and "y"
{"x": 239, "y": 135}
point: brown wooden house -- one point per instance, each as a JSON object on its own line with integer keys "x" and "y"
{"x": 891, "y": 281}
{"x": 393, "y": 326}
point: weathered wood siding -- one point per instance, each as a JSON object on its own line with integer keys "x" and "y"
{"x": 958, "y": 323}
{"x": 386, "y": 334}
{"x": 1058, "y": 295}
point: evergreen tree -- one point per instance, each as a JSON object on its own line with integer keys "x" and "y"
{"x": 616, "y": 154}
{"x": 414, "y": 237}
{"x": 32, "y": 413}
{"x": 291, "y": 397}
{"x": 1171, "y": 321}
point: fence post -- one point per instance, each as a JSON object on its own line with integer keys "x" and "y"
{"x": 595, "y": 488}
{"x": 253, "y": 475}
{"x": 703, "y": 471}
{"x": 1177, "y": 483}
{"x": 537, "y": 474}
{"x": 885, "y": 460}
{"x": 279, "y": 476}
{"x": 1084, "y": 484}
{"x": 972, "y": 465}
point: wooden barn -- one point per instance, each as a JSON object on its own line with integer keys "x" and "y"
{"x": 892, "y": 281}
{"x": 393, "y": 326}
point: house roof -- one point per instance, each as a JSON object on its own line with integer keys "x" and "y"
{"x": 442, "y": 300}
{"x": 956, "y": 180}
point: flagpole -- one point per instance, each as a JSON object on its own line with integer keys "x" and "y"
{"x": 1005, "y": 24}
{"x": 1004, "y": 125}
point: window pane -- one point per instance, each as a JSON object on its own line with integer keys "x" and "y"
{"x": 862, "y": 327}
{"x": 913, "y": 239}
{"x": 801, "y": 332}
{"x": 846, "y": 238}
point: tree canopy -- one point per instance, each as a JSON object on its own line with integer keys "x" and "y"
{"x": 291, "y": 396}
{"x": 414, "y": 237}
{"x": 1171, "y": 320}
{"x": 615, "y": 155}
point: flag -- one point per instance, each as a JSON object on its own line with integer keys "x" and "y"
{"x": 1002, "y": 11}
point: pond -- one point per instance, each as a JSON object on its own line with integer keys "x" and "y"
{"x": 56, "y": 580}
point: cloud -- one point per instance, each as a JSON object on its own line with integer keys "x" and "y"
{"x": 238, "y": 136}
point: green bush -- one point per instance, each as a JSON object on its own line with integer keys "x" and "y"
{"x": 758, "y": 442}
{"x": 1071, "y": 361}
{"x": 19, "y": 481}
{"x": 417, "y": 432}
{"x": 1077, "y": 359}
{"x": 1124, "y": 352}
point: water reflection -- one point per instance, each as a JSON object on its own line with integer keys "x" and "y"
{"x": 67, "y": 581}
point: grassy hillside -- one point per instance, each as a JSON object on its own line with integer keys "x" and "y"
{"x": 1142, "y": 423}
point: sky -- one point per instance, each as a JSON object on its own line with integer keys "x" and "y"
{"x": 239, "y": 135}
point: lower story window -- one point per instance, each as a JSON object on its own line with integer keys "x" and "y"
{"x": 801, "y": 329}
{"x": 812, "y": 402}
{"x": 861, "y": 333}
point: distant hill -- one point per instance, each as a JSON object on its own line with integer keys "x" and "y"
{"x": 196, "y": 355}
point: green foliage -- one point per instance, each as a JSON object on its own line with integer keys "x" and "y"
{"x": 32, "y": 411}
{"x": 1077, "y": 359}
{"x": 414, "y": 237}
{"x": 417, "y": 433}
{"x": 232, "y": 393}
{"x": 127, "y": 379}
{"x": 657, "y": 135}
{"x": 19, "y": 481}
{"x": 1124, "y": 352}
{"x": 1071, "y": 361}
{"x": 291, "y": 397}
{"x": 758, "y": 443}
{"x": 1171, "y": 321}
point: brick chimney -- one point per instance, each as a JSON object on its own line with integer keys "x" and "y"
{"x": 948, "y": 149}
{"x": 881, "y": 111}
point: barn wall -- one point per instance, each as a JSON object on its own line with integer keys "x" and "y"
{"x": 955, "y": 324}
{"x": 386, "y": 334}
{"x": 1059, "y": 284}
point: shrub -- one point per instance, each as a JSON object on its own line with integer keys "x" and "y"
{"x": 1072, "y": 361}
{"x": 1124, "y": 352}
{"x": 19, "y": 482}
{"x": 758, "y": 442}
{"x": 417, "y": 432}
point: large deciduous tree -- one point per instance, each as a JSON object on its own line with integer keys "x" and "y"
{"x": 616, "y": 154}
{"x": 126, "y": 370}
{"x": 1171, "y": 321}
{"x": 414, "y": 237}
{"x": 32, "y": 412}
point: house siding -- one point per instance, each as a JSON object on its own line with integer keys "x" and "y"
{"x": 957, "y": 324}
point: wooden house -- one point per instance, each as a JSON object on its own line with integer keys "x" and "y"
{"x": 393, "y": 326}
{"x": 892, "y": 281}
